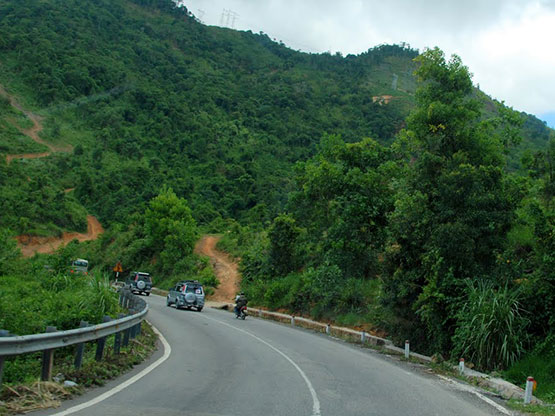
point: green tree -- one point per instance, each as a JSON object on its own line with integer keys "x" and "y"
{"x": 343, "y": 197}
{"x": 170, "y": 229}
{"x": 283, "y": 235}
{"x": 454, "y": 209}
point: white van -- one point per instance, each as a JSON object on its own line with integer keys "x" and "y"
{"x": 79, "y": 266}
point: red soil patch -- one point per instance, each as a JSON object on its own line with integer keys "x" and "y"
{"x": 32, "y": 132}
{"x": 9, "y": 158}
{"x": 30, "y": 244}
{"x": 224, "y": 268}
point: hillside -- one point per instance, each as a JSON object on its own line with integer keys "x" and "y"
{"x": 148, "y": 96}
{"x": 351, "y": 189}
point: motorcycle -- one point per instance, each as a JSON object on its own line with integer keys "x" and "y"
{"x": 241, "y": 313}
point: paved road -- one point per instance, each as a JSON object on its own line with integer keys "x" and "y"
{"x": 220, "y": 366}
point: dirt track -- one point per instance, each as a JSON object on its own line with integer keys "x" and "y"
{"x": 224, "y": 267}
{"x": 30, "y": 245}
{"x": 32, "y": 132}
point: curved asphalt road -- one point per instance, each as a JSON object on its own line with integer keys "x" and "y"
{"x": 220, "y": 366}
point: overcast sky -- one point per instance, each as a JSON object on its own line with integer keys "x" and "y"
{"x": 508, "y": 45}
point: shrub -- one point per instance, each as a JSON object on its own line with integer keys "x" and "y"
{"x": 490, "y": 327}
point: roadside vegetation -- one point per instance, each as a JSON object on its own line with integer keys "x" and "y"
{"x": 429, "y": 239}
{"x": 430, "y": 218}
{"x": 41, "y": 292}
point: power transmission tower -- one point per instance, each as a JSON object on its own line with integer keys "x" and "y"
{"x": 228, "y": 18}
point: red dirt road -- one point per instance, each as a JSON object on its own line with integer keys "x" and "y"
{"x": 30, "y": 245}
{"x": 224, "y": 268}
{"x": 32, "y": 132}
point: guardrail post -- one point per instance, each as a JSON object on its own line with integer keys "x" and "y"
{"x": 47, "y": 359}
{"x": 3, "y": 333}
{"x": 117, "y": 337}
{"x": 101, "y": 342}
{"x": 80, "y": 348}
{"x": 407, "y": 349}
{"x": 528, "y": 391}
{"x": 127, "y": 332}
{"x": 133, "y": 329}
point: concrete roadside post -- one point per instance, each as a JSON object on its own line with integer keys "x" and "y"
{"x": 3, "y": 333}
{"x": 363, "y": 337}
{"x": 47, "y": 359}
{"x": 461, "y": 366}
{"x": 528, "y": 391}
{"x": 407, "y": 349}
{"x": 80, "y": 348}
{"x": 328, "y": 329}
{"x": 292, "y": 321}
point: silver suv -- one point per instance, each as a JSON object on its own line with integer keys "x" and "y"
{"x": 140, "y": 282}
{"x": 186, "y": 294}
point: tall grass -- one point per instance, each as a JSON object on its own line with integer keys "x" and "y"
{"x": 490, "y": 327}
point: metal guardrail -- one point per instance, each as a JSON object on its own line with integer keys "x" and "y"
{"x": 129, "y": 326}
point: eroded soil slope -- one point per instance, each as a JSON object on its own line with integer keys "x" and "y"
{"x": 30, "y": 245}
{"x": 224, "y": 267}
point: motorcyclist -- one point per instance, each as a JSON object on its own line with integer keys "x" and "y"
{"x": 240, "y": 301}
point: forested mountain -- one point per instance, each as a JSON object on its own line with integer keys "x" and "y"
{"x": 381, "y": 189}
{"x": 149, "y": 96}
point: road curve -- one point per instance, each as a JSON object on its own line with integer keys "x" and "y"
{"x": 220, "y": 366}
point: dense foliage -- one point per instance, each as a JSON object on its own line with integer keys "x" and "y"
{"x": 430, "y": 238}
{"x": 341, "y": 206}
{"x": 157, "y": 98}
{"x": 149, "y": 96}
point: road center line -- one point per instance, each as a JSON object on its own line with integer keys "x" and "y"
{"x": 315, "y": 401}
{"x": 127, "y": 383}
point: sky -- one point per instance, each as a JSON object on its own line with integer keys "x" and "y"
{"x": 508, "y": 45}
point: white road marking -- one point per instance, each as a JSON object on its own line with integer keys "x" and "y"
{"x": 315, "y": 401}
{"x": 472, "y": 390}
{"x": 127, "y": 383}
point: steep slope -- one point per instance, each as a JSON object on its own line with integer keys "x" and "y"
{"x": 149, "y": 96}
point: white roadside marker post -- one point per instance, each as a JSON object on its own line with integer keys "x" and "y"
{"x": 328, "y": 329}
{"x": 528, "y": 391}
{"x": 407, "y": 349}
{"x": 292, "y": 321}
{"x": 461, "y": 366}
{"x": 363, "y": 337}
